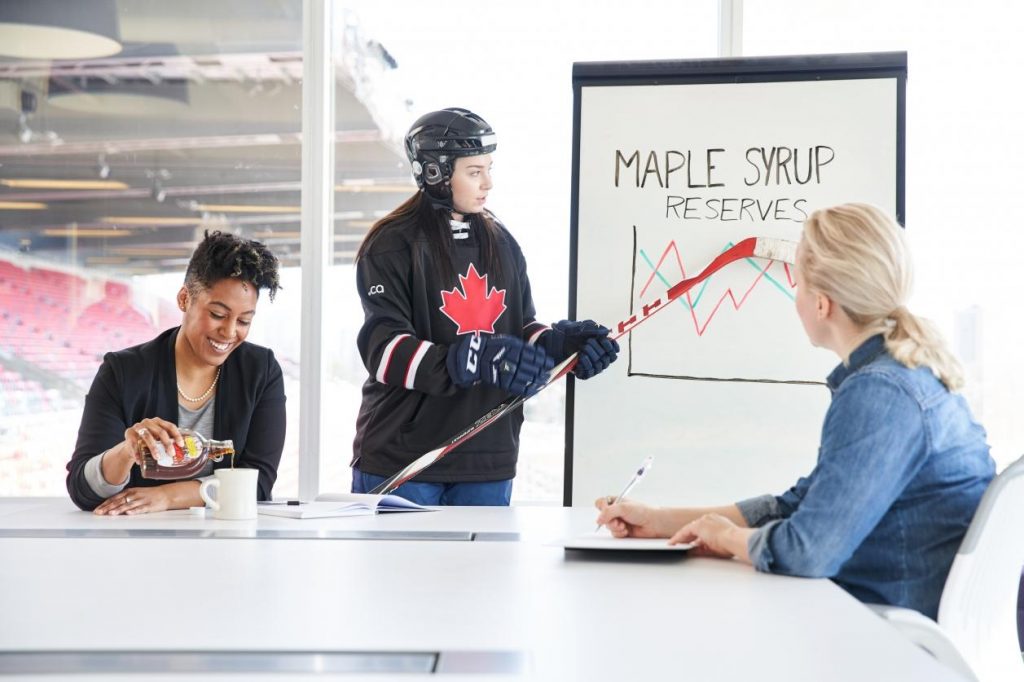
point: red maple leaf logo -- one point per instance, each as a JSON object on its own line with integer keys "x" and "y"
{"x": 474, "y": 309}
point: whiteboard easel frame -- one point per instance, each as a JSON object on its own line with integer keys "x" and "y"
{"x": 705, "y": 71}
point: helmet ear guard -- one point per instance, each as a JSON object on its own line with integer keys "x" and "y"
{"x": 436, "y": 139}
{"x": 432, "y": 174}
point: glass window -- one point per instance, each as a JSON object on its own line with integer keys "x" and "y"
{"x": 118, "y": 151}
{"x": 371, "y": 177}
{"x": 963, "y": 145}
{"x": 507, "y": 64}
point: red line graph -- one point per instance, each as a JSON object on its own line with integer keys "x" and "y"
{"x": 692, "y": 300}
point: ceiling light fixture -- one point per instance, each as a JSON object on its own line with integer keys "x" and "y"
{"x": 151, "y": 251}
{"x": 368, "y": 187}
{"x": 245, "y": 208}
{"x": 49, "y": 183}
{"x": 57, "y": 29}
{"x": 85, "y": 232}
{"x": 22, "y": 205}
{"x": 157, "y": 221}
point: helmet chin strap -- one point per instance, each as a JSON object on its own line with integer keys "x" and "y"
{"x": 445, "y": 203}
{"x": 440, "y": 203}
{"x": 460, "y": 228}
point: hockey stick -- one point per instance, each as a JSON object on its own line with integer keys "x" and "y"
{"x": 752, "y": 247}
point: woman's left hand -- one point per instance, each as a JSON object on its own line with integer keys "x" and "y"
{"x": 716, "y": 536}
{"x": 135, "y": 501}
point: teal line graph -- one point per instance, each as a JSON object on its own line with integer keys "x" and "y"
{"x": 700, "y": 293}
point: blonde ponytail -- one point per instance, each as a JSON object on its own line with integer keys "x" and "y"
{"x": 856, "y": 255}
{"x": 915, "y": 342}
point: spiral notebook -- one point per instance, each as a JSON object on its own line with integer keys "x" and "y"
{"x": 341, "y": 504}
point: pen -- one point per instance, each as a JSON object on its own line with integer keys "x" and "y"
{"x": 645, "y": 466}
{"x": 290, "y": 503}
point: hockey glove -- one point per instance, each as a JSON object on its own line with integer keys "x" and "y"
{"x": 502, "y": 361}
{"x": 588, "y": 338}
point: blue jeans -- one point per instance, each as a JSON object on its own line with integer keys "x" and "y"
{"x": 475, "y": 494}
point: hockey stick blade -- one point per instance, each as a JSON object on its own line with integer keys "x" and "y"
{"x": 752, "y": 247}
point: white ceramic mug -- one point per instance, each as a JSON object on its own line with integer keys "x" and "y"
{"x": 236, "y": 493}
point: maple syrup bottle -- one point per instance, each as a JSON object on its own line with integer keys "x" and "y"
{"x": 184, "y": 462}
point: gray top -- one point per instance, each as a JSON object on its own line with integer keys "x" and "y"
{"x": 200, "y": 421}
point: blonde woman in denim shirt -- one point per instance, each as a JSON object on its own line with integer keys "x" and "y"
{"x": 902, "y": 465}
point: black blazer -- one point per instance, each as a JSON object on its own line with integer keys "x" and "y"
{"x": 140, "y": 382}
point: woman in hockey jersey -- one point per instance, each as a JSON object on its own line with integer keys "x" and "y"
{"x": 449, "y": 328}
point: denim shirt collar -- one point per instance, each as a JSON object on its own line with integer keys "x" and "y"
{"x": 862, "y": 355}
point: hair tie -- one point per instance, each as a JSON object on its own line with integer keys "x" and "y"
{"x": 895, "y": 316}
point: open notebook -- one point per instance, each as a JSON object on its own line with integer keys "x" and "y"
{"x": 342, "y": 504}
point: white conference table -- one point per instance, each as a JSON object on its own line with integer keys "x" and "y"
{"x": 461, "y": 593}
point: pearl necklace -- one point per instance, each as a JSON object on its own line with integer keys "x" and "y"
{"x": 205, "y": 395}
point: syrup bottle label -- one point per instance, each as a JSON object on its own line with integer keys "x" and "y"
{"x": 178, "y": 456}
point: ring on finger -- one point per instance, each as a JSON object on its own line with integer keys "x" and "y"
{"x": 127, "y": 500}
{"x": 141, "y": 431}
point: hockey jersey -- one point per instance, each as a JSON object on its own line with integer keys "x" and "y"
{"x": 409, "y": 404}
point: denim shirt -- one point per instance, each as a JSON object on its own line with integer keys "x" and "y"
{"x": 901, "y": 469}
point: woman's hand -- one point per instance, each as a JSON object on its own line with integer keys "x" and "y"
{"x": 151, "y": 431}
{"x": 715, "y": 535}
{"x": 137, "y": 501}
{"x": 627, "y": 519}
{"x": 117, "y": 463}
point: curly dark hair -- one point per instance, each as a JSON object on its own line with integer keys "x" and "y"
{"x": 221, "y": 255}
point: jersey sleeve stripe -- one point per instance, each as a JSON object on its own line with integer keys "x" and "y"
{"x": 414, "y": 363}
{"x": 385, "y": 358}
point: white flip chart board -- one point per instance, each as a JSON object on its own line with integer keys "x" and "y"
{"x": 674, "y": 162}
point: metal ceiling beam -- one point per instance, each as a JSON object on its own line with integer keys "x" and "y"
{"x": 192, "y": 190}
{"x": 285, "y": 67}
{"x": 178, "y": 143}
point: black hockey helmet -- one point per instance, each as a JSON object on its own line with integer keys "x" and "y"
{"x": 436, "y": 139}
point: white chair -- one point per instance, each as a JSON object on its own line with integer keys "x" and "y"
{"x": 976, "y": 632}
